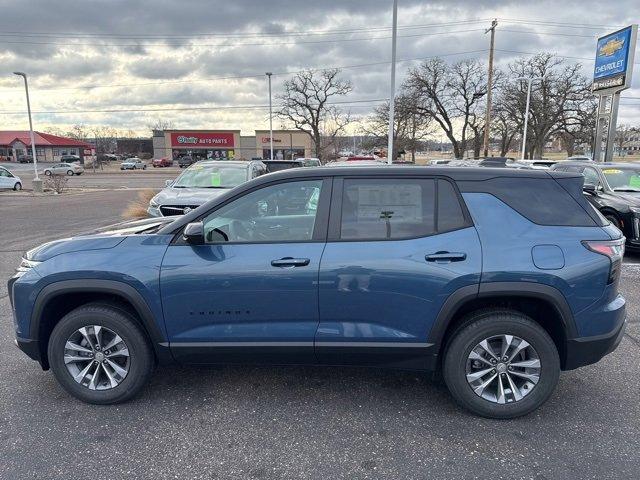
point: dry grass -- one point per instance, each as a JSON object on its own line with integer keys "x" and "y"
{"x": 56, "y": 183}
{"x": 138, "y": 208}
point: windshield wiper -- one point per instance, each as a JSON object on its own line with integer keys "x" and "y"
{"x": 178, "y": 186}
{"x": 626, "y": 189}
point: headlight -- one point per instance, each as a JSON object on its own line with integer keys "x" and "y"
{"x": 153, "y": 203}
{"x": 635, "y": 210}
{"x": 26, "y": 265}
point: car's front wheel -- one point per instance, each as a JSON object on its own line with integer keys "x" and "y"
{"x": 17, "y": 186}
{"x": 99, "y": 354}
{"x": 70, "y": 173}
{"x": 47, "y": 172}
{"x": 501, "y": 364}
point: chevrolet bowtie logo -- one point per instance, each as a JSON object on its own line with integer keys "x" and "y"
{"x": 611, "y": 47}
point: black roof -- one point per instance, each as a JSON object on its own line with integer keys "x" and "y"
{"x": 455, "y": 173}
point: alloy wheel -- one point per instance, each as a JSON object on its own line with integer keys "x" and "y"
{"x": 503, "y": 369}
{"x": 97, "y": 357}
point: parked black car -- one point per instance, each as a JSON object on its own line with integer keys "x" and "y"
{"x": 186, "y": 160}
{"x": 277, "y": 165}
{"x": 614, "y": 189}
{"x": 25, "y": 159}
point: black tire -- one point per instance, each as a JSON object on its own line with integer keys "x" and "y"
{"x": 485, "y": 324}
{"x": 70, "y": 173}
{"x": 614, "y": 220}
{"x": 119, "y": 321}
{"x": 17, "y": 186}
{"x": 47, "y": 172}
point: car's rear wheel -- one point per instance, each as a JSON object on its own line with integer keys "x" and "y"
{"x": 501, "y": 364}
{"x": 99, "y": 354}
{"x": 615, "y": 221}
{"x": 70, "y": 173}
{"x": 17, "y": 186}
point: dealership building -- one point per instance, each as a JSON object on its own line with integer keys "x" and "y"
{"x": 230, "y": 144}
{"x": 49, "y": 148}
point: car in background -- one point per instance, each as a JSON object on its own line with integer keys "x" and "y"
{"x": 161, "y": 162}
{"x": 614, "y": 189}
{"x": 64, "y": 169}
{"x": 361, "y": 158}
{"x": 133, "y": 163}
{"x": 277, "y": 165}
{"x": 538, "y": 163}
{"x": 186, "y": 161}
{"x": 202, "y": 182}
{"x": 359, "y": 163}
{"x": 70, "y": 159}
{"x": 25, "y": 159}
{"x": 579, "y": 158}
{"x": 310, "y": 162}
{"x": 9, "y": 180}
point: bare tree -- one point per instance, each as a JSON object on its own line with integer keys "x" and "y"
{"x": 305, "y": 103}
{"x": 78, "y": 132}
{"x": 451, "y": 95}
{"x": 558, "y": 101}
{"x": 623, "y": 137}
{"x": 409, "y": 126}
{"x": 161, "y": 124}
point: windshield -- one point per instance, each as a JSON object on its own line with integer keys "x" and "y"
{"x": 212, "y": 176}
{"x": 623, "y": 178}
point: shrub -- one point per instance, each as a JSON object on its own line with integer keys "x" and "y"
{"x": 138, "y": 208}
{"x": 56, "y": 183}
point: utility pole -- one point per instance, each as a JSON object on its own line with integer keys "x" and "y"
{"x": 487, "y": 119}
{"x": 392, "y": 96}
{"x": 268, "y": 74}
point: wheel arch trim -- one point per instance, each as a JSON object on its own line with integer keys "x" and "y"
{"x": 531, "y": 290}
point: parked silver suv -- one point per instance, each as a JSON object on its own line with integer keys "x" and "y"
{"x": 201, "y": 182}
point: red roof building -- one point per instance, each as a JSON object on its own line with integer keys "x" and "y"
{"x": 49, "y": 148}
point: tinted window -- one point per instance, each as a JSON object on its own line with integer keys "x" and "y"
{"x": 380, "y": 209}
{"x": 591, "y": 177}
{"x": 541, "y": 200}
{"x": 450, "y": 213}
{"x": 278, "y": 213}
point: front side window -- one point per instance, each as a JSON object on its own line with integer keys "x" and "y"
{"x": 383, "y": 209}
{"x": 591, "y": 177}
{"x": 212, "y": 176}
{"x": 285, "y": 212}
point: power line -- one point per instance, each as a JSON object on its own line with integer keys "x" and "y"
{"x": 231, "y": 34}
{"x": 236, "y": 77}
{"x": 176, "y": 109}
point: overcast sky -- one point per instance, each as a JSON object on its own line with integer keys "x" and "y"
{"x": 131, "y": 55}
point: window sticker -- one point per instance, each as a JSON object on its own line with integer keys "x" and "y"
{"x": 634, "y": 181}
{"x": 612, "y": 171}
{"x": 215, "y": 179}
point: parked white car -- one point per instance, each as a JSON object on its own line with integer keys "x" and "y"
{"x": 9, "y": 180}
{"x": 133, "y": 163}
{"x": 64, "y": 169}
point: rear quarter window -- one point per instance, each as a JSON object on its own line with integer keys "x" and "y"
{"x": 541, "y": 200}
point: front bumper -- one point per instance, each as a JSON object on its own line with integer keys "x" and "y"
{"x": 30, "y": 347}
{"x": 587, "y": 350}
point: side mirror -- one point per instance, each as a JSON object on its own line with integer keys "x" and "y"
{"x": 589, "y": 188}
{"x": 168, "y": 183}
{"x": 194, "y": 233}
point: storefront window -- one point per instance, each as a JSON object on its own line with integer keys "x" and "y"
{"x": 283, "y": 153}
{"x": 56, "y": 152}
{"x": 201, "y": 154}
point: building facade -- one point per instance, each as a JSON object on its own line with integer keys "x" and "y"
{"x": 229, "y": 144}
{"x": 49, "y": 148}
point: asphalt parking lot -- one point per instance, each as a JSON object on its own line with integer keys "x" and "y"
{"x": 277, "y": 423}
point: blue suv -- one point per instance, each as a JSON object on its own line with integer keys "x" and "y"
{"x": 497, "y": 278}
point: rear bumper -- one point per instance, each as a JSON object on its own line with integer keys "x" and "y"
{"x": 587, "y": 350}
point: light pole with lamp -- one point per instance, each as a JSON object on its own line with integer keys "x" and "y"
{"x": 37, "y": 183}
{"x": 268, "y": 74}
{"x": 392, "y": 95}
{"x": 526, "y": 111}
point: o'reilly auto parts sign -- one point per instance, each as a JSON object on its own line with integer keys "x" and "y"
{"x": 202, "y": 139}
{"x": 614, "y": 59}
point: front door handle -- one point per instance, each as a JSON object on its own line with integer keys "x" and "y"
{"x": 446, "y": 257}
{"x": 290, "y": 262}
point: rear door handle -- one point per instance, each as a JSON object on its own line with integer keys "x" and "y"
{"x": 446, "y": 257}
{"x": 290, "y": 262}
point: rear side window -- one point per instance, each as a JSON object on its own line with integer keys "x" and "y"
{"x": 541, "y": 200}
{"x": 386, "y": 209}
{"x": 450, "y": 213}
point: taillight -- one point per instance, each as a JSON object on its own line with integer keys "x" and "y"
{"x": 613, "y": 250}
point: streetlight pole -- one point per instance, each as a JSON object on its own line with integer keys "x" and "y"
{"x": 487, "y": 119}
{"x": 526, "y": 111}
{"x": 33, "y": 141}
{"x": 268, "y": 74}
{"x": 392, "y": 96}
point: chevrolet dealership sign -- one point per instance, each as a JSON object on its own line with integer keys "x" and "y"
{"x": 614, "y": 60}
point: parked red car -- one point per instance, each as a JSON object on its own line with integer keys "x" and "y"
{"x": 162, "y": 162}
